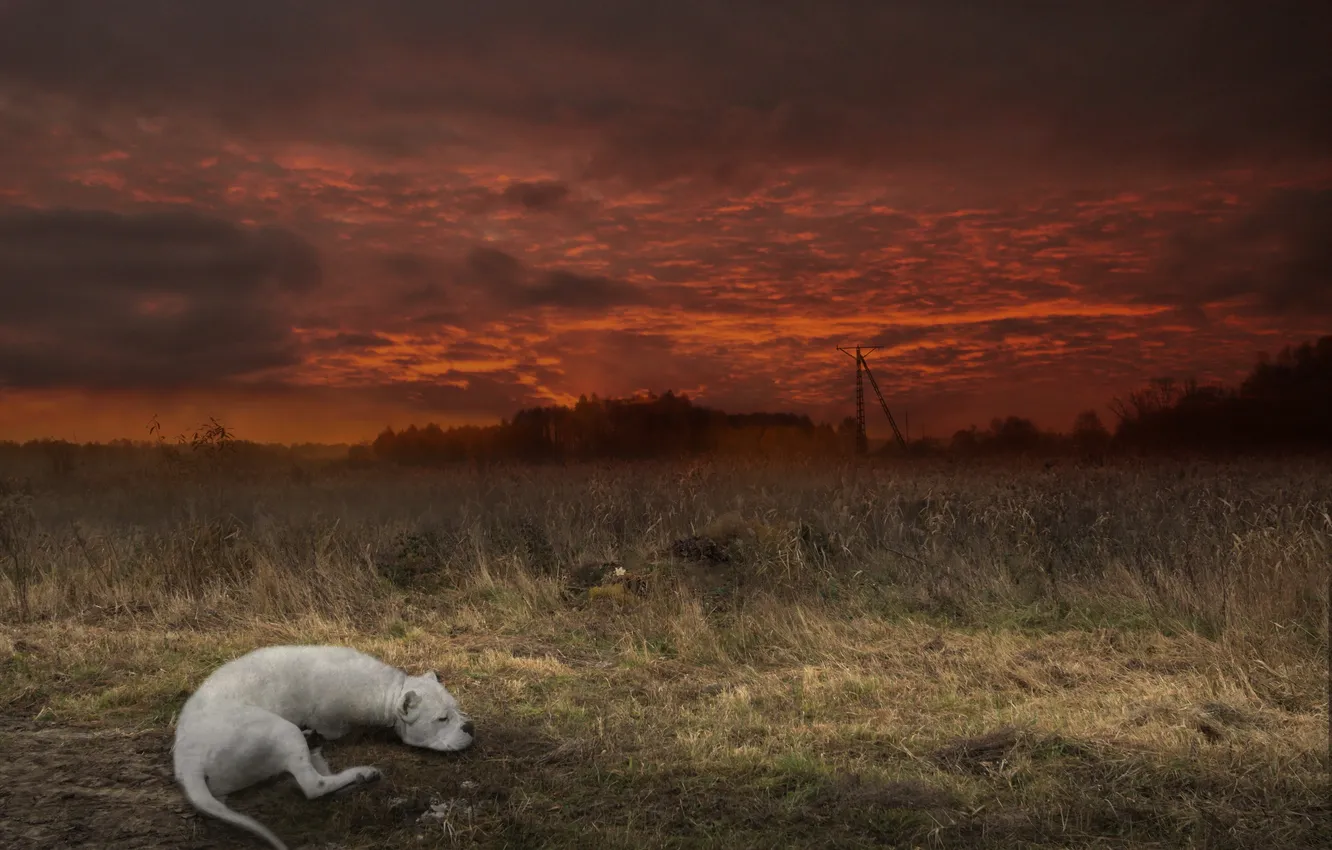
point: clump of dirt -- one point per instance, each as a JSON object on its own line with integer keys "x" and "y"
{"x": 1215, "y": 721}
{"x": 414, "y": 560}
{"x": 1010, "y": 750}
{"x": 731, "y": 554}
{"x": 721, "y": 541}
{"x": 587, "y": 575}
{"x": 982, "y": 753}
{"x": 698, "y": 548}
{"x": 1226, "y": 714}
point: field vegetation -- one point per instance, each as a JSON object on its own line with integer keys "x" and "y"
{"x": 914, "y": 653}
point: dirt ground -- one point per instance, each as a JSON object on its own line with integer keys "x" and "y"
{"x": 65, "y": 786}
{"x": 84, "y": 786}
{"x": 87, "y": 787}
{"x": 79, "y": 786}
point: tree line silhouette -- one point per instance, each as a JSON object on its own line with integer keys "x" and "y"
{"x": 644, "y": 426}
{"x": 1285, "y": 403}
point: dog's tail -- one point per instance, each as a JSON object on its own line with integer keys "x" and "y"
{"x": 191, "y": 779}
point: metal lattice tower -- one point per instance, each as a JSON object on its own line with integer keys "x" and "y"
{"x": 862, "y": 438}
{"x": 863, "y": 370}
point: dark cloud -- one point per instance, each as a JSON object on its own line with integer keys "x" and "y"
{"x": 407, "y": 266}
{"x": 578, "y": 292}
{"x": 506, "y": 284}
{"x": 539, "y": 197}
{"x": 495, "y": 269}
{"x": 151, "y": 54}
{"x": 963, "y": 87}
{"x": 1271, "y": 257}
{"x": 100, "y": 300}
{"x": 1277, "y": 257}
{"x": 352, "y": 342}
{"x": 465, "y": 291}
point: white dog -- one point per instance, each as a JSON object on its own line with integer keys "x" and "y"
{"x": 247, "y": 721}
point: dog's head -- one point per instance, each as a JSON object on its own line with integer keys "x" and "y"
{"x": 428, "y": 716}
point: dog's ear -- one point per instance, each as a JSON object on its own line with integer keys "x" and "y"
{"x": 410, "y": 701}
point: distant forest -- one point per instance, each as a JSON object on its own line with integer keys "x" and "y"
{"x": 1285, "y": 404}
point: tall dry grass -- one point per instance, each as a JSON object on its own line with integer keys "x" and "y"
{"x": 1235, "y": 552}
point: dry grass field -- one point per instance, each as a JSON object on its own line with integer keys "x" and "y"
{"x": 927, "y": 655}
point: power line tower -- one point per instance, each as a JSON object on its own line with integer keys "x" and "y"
{"x": 863, "y": 371}
{"x": 862, "y": 440}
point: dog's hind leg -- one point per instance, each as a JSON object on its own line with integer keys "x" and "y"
{"x": 301, "y": 764}
{"x": 316, "y": 784}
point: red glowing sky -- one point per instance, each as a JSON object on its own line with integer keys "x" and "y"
{"x": 315, "y": 220}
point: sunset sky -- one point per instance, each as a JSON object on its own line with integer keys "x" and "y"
{"x": 314, "y": 219}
